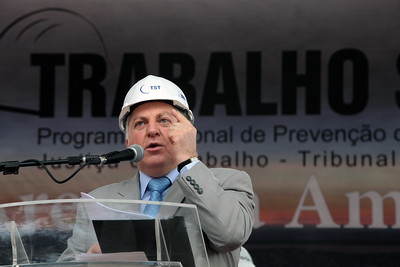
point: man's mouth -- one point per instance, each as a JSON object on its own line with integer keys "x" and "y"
{"x": 153, "y": 146}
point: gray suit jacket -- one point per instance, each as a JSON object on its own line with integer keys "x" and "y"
{"x": 224, "y": 199}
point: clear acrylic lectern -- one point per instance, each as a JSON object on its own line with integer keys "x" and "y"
{"x": 61, "y": 232}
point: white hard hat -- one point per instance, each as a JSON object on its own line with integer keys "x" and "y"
{"x": 153, "y": 88}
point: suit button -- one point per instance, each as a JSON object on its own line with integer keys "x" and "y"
{"x": 192, "y": 182}
{"x": 200, "y": 191}
{"x": 188, "y": 178}
{"x": 196, "y": 186}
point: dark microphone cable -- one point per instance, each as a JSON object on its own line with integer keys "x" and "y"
{"x": 134, "y": 153}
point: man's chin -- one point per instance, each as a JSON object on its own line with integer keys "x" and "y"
{"x": 155, "y": 166}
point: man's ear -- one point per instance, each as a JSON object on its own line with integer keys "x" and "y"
{"x": 126, "y": 142}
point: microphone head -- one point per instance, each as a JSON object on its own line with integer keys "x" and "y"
{"x": 139, "y": 152}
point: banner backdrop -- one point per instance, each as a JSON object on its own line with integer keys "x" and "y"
{"x": 302, "y": 95}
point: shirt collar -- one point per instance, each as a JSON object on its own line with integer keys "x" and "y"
{"x": 145, "y": 179}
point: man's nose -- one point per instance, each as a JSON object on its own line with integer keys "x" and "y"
{"x": 152, "y": 129}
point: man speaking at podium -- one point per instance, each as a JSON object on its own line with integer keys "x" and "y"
{"x": 156, "y": 116}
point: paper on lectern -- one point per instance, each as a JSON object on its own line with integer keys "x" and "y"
{"x": 98, "y": 211}
{"x": 138, "y": 256}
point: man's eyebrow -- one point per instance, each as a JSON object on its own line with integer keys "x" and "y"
{"x": 138, "y": 117}
{"x": 163, "y": 113}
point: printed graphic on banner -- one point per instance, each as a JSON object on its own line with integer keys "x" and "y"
{"x": 306, "y": 104}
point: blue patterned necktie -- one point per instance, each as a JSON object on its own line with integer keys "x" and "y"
{"x": 156, "y": 186}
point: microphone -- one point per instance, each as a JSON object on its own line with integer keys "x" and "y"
{"x": 134, "y": 152}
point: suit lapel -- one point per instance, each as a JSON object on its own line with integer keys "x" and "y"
{"x": 130, "y": 190}
{"x": 174, "y": 195}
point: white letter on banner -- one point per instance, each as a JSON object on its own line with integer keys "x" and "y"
{"x": 257, "y": 222}
{"x": 319, "y": 206}
{"x": 376, "y": 206}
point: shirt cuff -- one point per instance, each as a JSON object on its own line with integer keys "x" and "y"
{"x": 187, "y": 167}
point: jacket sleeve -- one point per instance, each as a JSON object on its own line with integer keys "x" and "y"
{"x": 224, "y": 199}
{"x": 83, "y": 236}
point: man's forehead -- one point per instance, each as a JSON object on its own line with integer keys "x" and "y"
{"x": 152, "y": 104}
{"x": 152, "y": 109}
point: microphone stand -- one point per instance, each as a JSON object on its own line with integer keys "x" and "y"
{"x": 12, "y": 167}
